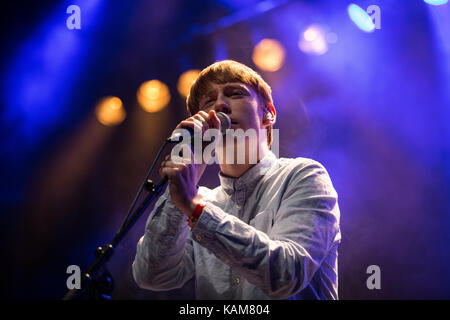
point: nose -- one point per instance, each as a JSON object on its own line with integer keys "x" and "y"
{"x": 222, "y": 106}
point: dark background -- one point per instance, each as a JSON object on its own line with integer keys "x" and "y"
{"x": 374, "y": 109}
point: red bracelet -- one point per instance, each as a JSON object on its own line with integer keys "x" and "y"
{"x": 195, "y": 214}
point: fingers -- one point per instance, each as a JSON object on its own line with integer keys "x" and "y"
{"x": 196, "y": 123}
{"x": 201, "y": 121}
{"x": 170, "y": 168}
{"x": 209, "y": 118}
{"x": 190, "y": 123}
{"x": 170, "y": 173}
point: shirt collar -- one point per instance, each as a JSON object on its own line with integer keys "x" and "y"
{"x": 250, "y": 178}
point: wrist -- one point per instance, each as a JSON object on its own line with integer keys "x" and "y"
{"x": 197, "y": 207}
{"x": 191, "y": 205}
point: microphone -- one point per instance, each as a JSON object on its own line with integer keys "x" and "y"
{"x": 225, "y": 123}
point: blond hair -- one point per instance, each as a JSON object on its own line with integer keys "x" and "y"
{"x": 224, "y": 72}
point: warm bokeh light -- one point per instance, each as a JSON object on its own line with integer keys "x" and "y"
{"x": 313, "y": 40}
{"x": 186, "y": 80}
{"x": 153, "y": 95}
{"x": 268, "y": 55}
{"x": 110, "y": 111}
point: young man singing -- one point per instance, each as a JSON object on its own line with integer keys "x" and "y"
{"x": 269, "y": 231}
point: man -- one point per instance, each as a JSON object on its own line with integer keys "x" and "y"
{"x": 269, "y": 231}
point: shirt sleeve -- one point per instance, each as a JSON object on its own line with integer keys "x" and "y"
{"x": 282, "y": 262}
{"x": 164, "y": 254}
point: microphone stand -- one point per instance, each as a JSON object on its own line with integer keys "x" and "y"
{"x": 97, "y": 282}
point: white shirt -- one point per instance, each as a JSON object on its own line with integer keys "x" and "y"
{"x": 272, "y": 233}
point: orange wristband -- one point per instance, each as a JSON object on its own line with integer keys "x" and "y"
{"x": 195, "y": 214}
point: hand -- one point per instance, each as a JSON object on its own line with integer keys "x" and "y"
{"x": 199, "y": 123}
{"x": 183, "y": 177}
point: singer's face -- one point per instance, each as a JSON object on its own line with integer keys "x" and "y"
{"x": 238, "y": 100}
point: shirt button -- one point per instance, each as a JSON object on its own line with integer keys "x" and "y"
{"x": 237, "y": 280}
{"x": 198, "y": 237}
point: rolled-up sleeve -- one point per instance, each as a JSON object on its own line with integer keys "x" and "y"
{"x": 164, "y": 254}
{"x": 282, "y": 261}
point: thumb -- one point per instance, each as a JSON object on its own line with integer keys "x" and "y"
{"x": 214, "y": 121}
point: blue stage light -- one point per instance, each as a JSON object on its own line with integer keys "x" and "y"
{"x": 360, "y": 18}
{"x": 436, "y": 2}
{"x": 38, "y": 83}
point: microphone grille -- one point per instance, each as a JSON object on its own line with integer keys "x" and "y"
{"x": 225, "y": 121}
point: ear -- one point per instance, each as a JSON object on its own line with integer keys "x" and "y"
{"x": 270, "y": 115}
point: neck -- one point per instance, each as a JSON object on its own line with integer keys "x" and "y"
{"x": 235, "y": 170}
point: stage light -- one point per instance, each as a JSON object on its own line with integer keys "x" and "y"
{"x": 153, "y": 95}
{"x": 268, "y": 55}
{"x": 110, "y": 111}
{"x": 186, "y": 80}
{"x": 361, "y": 18}
{"x": 436, "y": 2}
{"x": 314, "y": 40}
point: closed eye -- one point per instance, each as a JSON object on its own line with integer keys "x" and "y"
{"x": 208, "y": 102}
{"x": 237, "y": 93}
